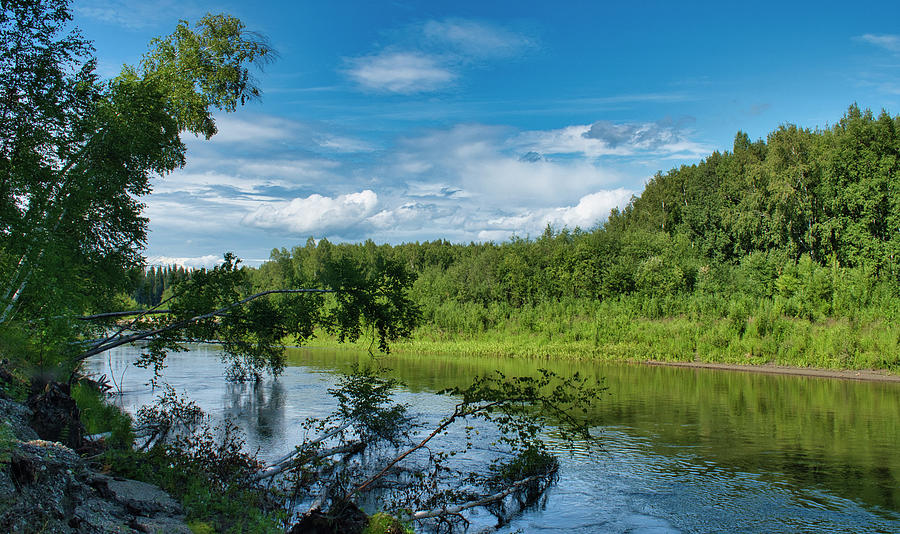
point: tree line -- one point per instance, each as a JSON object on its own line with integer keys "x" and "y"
{"x": 151, "y": 284}
{"x": 806, "y": 219}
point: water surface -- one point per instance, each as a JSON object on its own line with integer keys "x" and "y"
{"x": 683, "y": 450}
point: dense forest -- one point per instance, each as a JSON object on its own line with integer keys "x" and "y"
{"x": 781, "y": 250}
{"x": 151, "y": 284}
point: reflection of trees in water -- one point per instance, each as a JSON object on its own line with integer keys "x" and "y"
{"x": 257, "y": 407}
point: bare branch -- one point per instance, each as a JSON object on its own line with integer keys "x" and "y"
{"x": 350, "y": 449}
{"x": 454, "y": 510}
{"x": 109, "y": 315}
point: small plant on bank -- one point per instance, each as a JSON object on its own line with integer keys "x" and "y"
{"x": 372, "y": 452}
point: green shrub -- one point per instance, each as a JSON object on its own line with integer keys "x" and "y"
{"x": 99, "y": 416}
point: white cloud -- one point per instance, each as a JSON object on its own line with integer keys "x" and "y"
{"x": 402, "y": 216}
{"x": 202, "y": 182}
{"x": 401, "y": 72}
{"x": 344, "y": 144}
{"x": 431, "y": 189}
{"x": 254, "y": 130}
{"x": 476, "y": 39}
{"x": 207, "y": 261}
{"x": 209, "y": 214}
{"x": 433, "y": 54}
{"x": 314, "y": 214}
{"x": 477, "y": 160}
{"x": 567, "y": 140}
{"x": 590, "y": 210}
{"x": 889, "y": 42}
{"x": 496, "y": 236}
{"x": 292, "y": 169}
{"x": 605, "y": 138}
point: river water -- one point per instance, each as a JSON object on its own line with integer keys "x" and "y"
{"x": 682, "y": 450}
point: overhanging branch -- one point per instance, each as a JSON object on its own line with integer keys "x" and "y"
{"x": 184, "y": 322}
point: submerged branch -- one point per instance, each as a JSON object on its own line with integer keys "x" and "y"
{"x": 488, "y": 499}
{"x": 458, "y": 412}
{"x": 349, "y": 449}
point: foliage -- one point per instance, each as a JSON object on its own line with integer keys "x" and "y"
{"x": 751, "y": 245}
{"x": 77, "y": 153}
{"x": 382, "y": 523}
{"x": 369, "y": 450}
{"x": 152, "y": 285}
{"x": 206, "y": 469}
{"x": 99, "y": 416}
{"x": 220, "y": 305}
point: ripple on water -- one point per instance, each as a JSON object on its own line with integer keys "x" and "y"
{"x": 636, "y": 482}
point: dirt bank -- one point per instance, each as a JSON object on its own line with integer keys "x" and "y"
{"x": 864, "y": 374}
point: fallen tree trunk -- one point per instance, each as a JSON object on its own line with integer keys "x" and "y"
{"x": 488, "y": 499}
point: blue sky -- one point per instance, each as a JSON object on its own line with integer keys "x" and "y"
{"x": 473, "y": 121}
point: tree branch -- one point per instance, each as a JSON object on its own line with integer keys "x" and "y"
{"x": 458, "y": 412}
{"x": 454, "y": 510}
{"x": 285, "y": 461}
{"x": 103, "y": 347}
{"x": 349, "y": 449}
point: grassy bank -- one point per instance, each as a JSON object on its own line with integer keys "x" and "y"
{"x": 755, "y": 333}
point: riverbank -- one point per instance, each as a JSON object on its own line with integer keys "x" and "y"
{"x": 862, "y": 349}
{"x": 862, "y": 374}
{"x": 46, "y": 486}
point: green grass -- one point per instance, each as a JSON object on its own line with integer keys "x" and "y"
{"x": 98, "y": 416}
{"x": 740, "y": 332}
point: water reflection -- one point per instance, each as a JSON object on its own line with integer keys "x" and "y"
{"x": 835, "y": 434}
{"x": 684, "y": 450}
{"x": 259, "y": 404}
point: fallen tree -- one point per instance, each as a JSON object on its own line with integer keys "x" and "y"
{"x": 374, "y": 452}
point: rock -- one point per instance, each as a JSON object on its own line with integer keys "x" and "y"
{"x": 138, "y": 497}
{"x": 16, "y": 417}
{"x": 55, "y": 416}
{"x": 46, "y": 487}
{"x": 39, "y": 487}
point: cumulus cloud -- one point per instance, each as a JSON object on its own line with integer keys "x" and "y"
{"x": 401, "y": 216}
{"x": 464, "y": 182}
{"x": 478, "y": 161}
{"x": 314, "y": 214}
{"x": 652, "y": 135}
{"x": 589, "y": 210}
{"x": 889, "y": 42}
{"x": 400, "y": 72}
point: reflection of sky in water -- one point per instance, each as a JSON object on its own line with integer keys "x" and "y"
{"x": 636, "y": 483}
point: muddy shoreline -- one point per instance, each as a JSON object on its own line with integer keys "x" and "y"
{"x": 861, "y": 374}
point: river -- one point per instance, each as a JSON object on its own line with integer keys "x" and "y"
{"x": 683, "y": 450}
